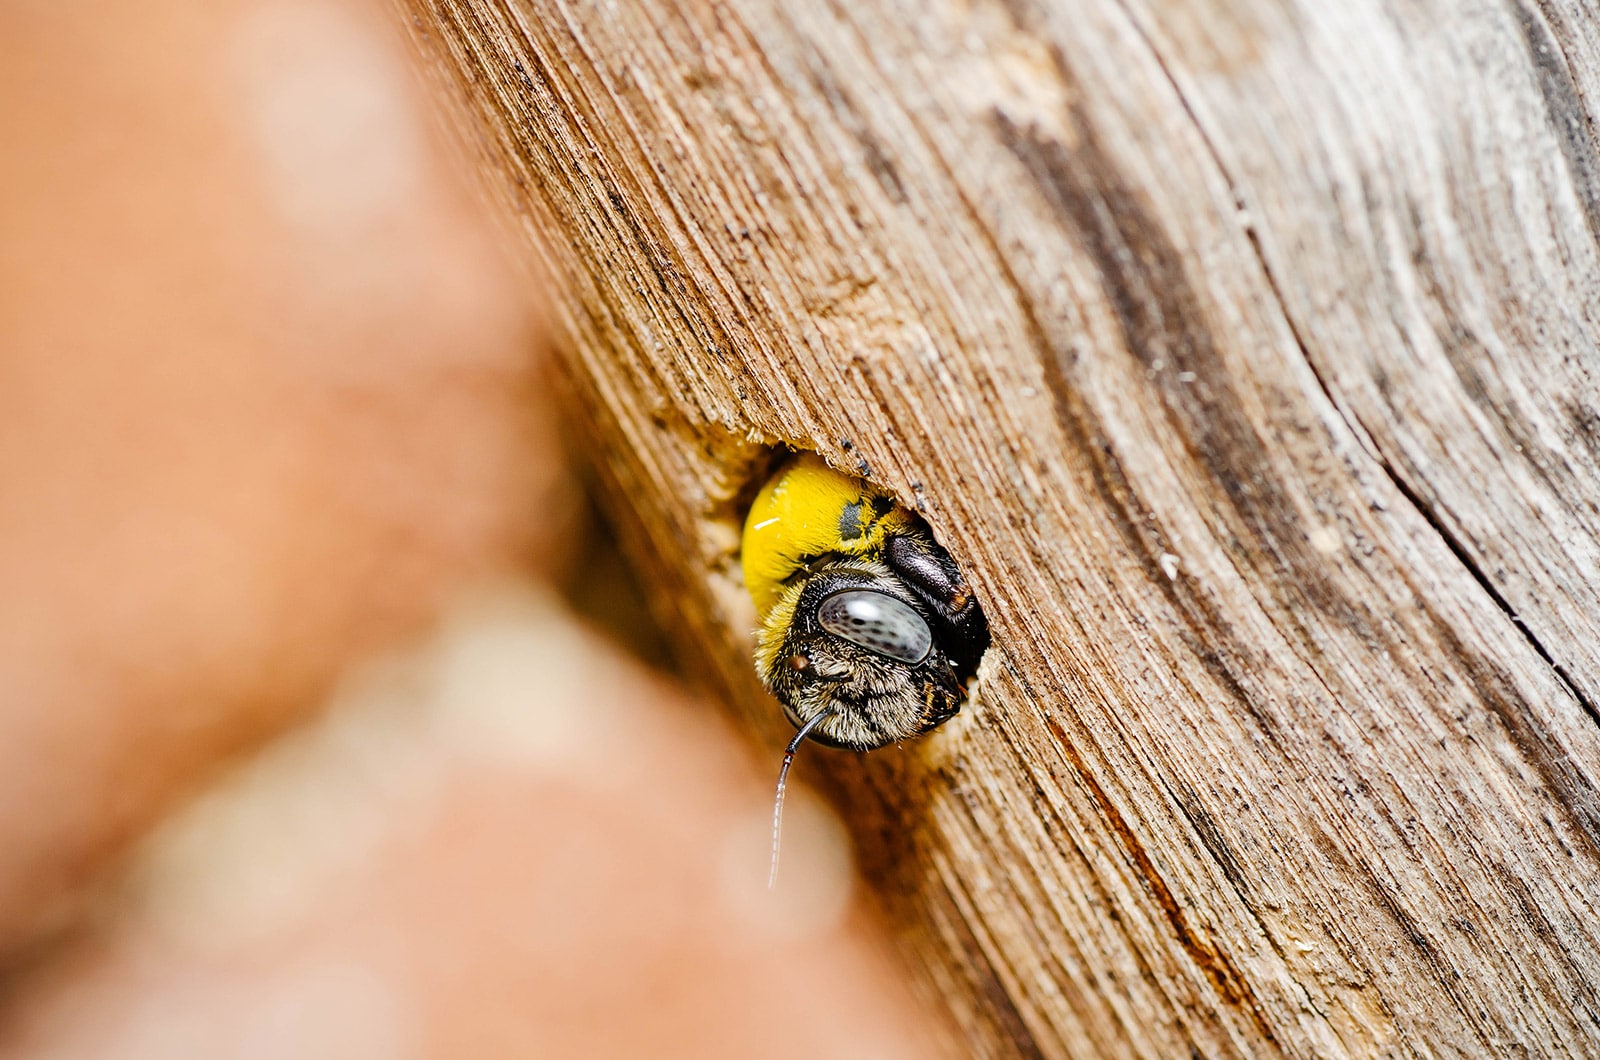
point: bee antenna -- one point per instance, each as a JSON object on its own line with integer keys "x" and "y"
{"x": 783, "y": 779}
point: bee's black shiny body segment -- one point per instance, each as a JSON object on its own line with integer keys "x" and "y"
{"x": 867, "y": 622}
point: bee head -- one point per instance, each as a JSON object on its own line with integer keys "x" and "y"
{"x": 852, "y": 641}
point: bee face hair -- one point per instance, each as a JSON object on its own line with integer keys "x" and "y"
{"x": 884, "y": 680}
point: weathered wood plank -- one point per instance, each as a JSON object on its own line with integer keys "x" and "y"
{"x": 1243, "y": 353}
{"x": 1431, "y": 228}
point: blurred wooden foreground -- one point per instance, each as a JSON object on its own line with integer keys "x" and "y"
{"x": 1245, "y": 355}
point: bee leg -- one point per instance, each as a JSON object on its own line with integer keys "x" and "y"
{"x": 928, "y": 571}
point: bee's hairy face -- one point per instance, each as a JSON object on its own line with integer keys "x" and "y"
{"x": 852, "y": 640}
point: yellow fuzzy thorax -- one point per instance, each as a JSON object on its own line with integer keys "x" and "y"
{"x": 807, "y": 510}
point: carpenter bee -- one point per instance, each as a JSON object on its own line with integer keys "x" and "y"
{"x": 869, "y": 632}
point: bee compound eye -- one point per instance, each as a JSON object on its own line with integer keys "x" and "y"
{"x": 877, "y": 622}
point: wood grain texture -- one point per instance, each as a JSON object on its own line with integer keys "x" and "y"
{"x": 1243, "y": 352}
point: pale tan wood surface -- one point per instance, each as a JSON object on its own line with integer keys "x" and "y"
{"x": 1243, "y": 352}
